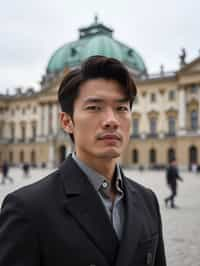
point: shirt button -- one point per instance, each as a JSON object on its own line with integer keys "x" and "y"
{"x": 104, "y": 184}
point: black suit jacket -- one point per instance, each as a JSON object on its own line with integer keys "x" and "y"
{"x": 61, "y": 221}
{"x": 173, "y": 176}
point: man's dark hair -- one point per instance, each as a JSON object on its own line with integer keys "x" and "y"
{"x": 93, "y": 68}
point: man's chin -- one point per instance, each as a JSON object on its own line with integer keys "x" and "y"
{"x": 112, "y": 154}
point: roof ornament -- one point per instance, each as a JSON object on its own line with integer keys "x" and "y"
{"x": 182, "y": 57}
{"x": 162, "y": 71}
{"x": 96, "y": 19}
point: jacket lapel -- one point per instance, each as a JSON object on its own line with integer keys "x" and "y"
{"x": 132, "y": 227}
{"x": 85, "y": 205}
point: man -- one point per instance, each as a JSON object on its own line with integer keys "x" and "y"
{"x": 5, "y": 170}
{"x": 87, "y": 212}
{"x": 172, "y": 175}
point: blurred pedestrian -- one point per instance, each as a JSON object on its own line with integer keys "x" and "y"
{"x": 172, "y": 175}
{"x": 5, "y": 170}
{"x": 194, "y": 167}
{"x": 26, "y": 168}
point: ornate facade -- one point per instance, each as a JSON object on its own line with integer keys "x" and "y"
{"x": 166, "y": 119}
{"x": 165, "y": 116}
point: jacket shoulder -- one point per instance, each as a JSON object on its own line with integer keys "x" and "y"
{"x": 36, "y": 195}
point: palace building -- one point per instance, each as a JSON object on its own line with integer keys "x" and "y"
{"x": 165, "y": 116}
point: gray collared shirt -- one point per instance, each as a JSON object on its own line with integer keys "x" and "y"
{"x": 114, "y": 209}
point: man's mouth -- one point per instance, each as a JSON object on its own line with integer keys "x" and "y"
{"x": 109, "y": 137}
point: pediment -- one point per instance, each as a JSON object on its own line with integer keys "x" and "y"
{"x": 192, "y": 67}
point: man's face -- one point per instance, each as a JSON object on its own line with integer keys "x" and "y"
{"x": 101, "y": 120}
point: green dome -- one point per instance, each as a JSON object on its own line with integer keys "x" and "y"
{"x": 95, "y": 40}
{"x": 101, "y": 45}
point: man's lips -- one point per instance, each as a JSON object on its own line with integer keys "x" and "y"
{"x": 109, "y": 137}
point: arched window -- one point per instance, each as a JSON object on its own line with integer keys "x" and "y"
{"x": 193, "y": 155}
{"x": 194, "y": 120}
{"x": 171, "y": 154}
{"x": 135, "y": 156}
{"x": 33, "y": 157}
{"x": 10, "y": 156}
{"x": 152, "y": 156}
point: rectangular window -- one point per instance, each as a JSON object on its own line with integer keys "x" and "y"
{"x": 171, "y": 125}
{"x": 153, "y": 126}
{"x": 171, "y": 95}
{"x": 194, "y": 88}
{"x": 153, "y": 97}
{"x": 135, "y": 127}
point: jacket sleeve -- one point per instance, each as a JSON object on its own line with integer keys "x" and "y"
{"x": 160, "y": 259}
{"x": 18, "y": 245}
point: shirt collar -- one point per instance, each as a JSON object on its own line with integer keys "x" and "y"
{"x": 96, "y": 179}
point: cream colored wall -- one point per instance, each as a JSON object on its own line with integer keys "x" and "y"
{"x": 161, "y": 105}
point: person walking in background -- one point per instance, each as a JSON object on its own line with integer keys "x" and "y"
{"x": 172, "y": 175}
{"x": 26, "y": 168}
{"x": 5, "y": 170}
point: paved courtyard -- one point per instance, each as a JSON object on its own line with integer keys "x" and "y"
{"x": 181, "y": 227}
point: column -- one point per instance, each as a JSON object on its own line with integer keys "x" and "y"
{"x": 28, "y": 130}
{"x": 46, "y": 120}
{"x": 182, "y": 112}
{"x": 58, "y": 118}
{"x": 39, "y": 121}
{"x": 3, "y": 135}
{"x": 50, "y": 118}
{"x": 55, "y": 118}
{"x": 162, "y": 118}
{"x": 198, "y": 109}
{"x": 51, "y": 156}
{"x": 17, "y": 131}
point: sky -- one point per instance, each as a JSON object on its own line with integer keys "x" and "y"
{"x": 31, "y": 30}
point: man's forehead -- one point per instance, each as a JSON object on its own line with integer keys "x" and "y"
{"x": 101, "y": 88}
{"x": 103, "y": 98}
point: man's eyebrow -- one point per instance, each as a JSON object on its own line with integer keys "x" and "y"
{"x": 99, "y": 100}
{"x": 93, "y": 100}
{"x": 123, "y": 100}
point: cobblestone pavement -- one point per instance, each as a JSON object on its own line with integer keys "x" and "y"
{"x": 181, "y": 227}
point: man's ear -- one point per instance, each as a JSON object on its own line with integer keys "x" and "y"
{"x": 66, "y": 122}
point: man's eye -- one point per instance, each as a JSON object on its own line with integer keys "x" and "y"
{"x": 123, "y": 108}
{"x": 93, "y": 108}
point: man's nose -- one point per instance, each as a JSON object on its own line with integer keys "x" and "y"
{"x": 110, "y": 120}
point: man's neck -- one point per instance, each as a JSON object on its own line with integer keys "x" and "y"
{"x": 103, "y": 166}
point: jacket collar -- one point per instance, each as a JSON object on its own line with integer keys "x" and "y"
{"x": 85, "y": 205}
